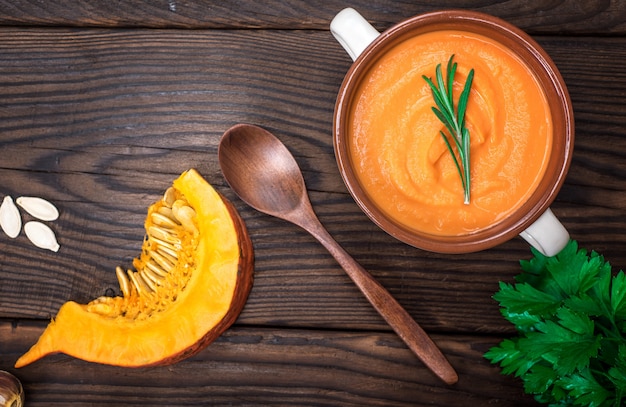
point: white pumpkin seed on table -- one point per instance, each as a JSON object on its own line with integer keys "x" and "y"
{"x": 37, "y": 232}
{"x": 38, "y": 207}
{"x": 10, "y": 219}
{"x": 41, "y": 235}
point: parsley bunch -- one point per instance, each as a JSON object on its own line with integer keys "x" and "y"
{"x": 570, "y": 313}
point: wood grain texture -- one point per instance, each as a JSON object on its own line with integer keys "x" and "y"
{"x": 257, "y": 366}
{"x": 550, "y": 16}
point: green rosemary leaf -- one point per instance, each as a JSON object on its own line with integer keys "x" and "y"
{"x": 465, "y": 158}
{"x": 464, "y": 98}
{"x": 441, "y": 109}
{"x": 447, "y": 101}
{"x": 454, "y": 121}
{"x": 435, "y": 92}
{"x": 450, "y": 72}
{"x": 449, "y": 146}
{"x": 443, "y": 117}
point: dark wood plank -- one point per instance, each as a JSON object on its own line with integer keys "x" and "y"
{"x": 271, "y": 367}
{"x": 101, "y": 121}
{"x": 557, "y": 17}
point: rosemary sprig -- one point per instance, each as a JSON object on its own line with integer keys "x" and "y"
{"x": 454, "y": 120}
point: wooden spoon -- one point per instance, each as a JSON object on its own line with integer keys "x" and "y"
{"x": 260, "y": 169}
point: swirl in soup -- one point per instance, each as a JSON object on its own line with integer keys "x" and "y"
{"x": 400, "y": 158}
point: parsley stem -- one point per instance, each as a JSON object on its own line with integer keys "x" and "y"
{"x": 454, "y": 121}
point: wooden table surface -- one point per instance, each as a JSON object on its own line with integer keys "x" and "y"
{"x": 103, "y": 103}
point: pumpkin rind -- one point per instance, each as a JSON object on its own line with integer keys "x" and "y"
{"x": 216, "y": 291}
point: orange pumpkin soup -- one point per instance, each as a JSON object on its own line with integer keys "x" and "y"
{"x": 400, "y": 158}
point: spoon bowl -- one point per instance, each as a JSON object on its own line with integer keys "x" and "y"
{"x": 262, "y": 171}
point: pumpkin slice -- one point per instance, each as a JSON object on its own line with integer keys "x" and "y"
{"x": 188, "y": 286}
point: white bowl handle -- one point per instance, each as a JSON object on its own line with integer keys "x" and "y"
{"x": 353, "y": 32}
{"x": 547, "y": 234}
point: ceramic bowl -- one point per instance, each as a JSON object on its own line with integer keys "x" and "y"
{"x": 547, "y": 75}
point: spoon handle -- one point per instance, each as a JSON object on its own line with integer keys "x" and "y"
{"x": 407, "y": 329}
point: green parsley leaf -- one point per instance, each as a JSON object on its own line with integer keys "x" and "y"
{"x": 584, "y": 390}
{"x": 585, "y": 304}
{"x": 570, "y": 314}
{"x": 618, "y": 378}
{"x": 523, "y": 321}
{"x": 567, "y": 350}
{"x": 511, "y": 358}
{"x": 522, "y": 298}
{"x": 525, "y": 298}
{"x": 618, "y": 295}
{"x": 539, "y": 379}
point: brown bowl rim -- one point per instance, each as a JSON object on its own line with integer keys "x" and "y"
{"x": 556, "y": 92}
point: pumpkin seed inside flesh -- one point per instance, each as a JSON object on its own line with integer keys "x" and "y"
{"x": 38, "y": 207}
{"x": 162, "y": 220}
{"x": 185, "y": 215}
{"x": 147, "y": 272}
{"x": 155, "y": 268}
{"x": 10, "y": 219}
{"x": 169, "y": 197}
{"x": 101, "y": 308}
{"x": 41, "y": 236}
{"x": 147, "y": 281}
{"x": 163, "y": 234}
{"x": 162, "y": 243}
{"x": 165, "y": 211}
{"x": 168, "y": 253}
{"x": 161, "y": 261}
{"x": 123, "y": 281}
{"x": 138, "y": 282}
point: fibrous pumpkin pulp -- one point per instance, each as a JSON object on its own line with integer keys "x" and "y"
{"x": 188, "y": 286}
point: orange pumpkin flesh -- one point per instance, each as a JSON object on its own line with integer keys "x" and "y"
{"x": 162, "y": 319}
